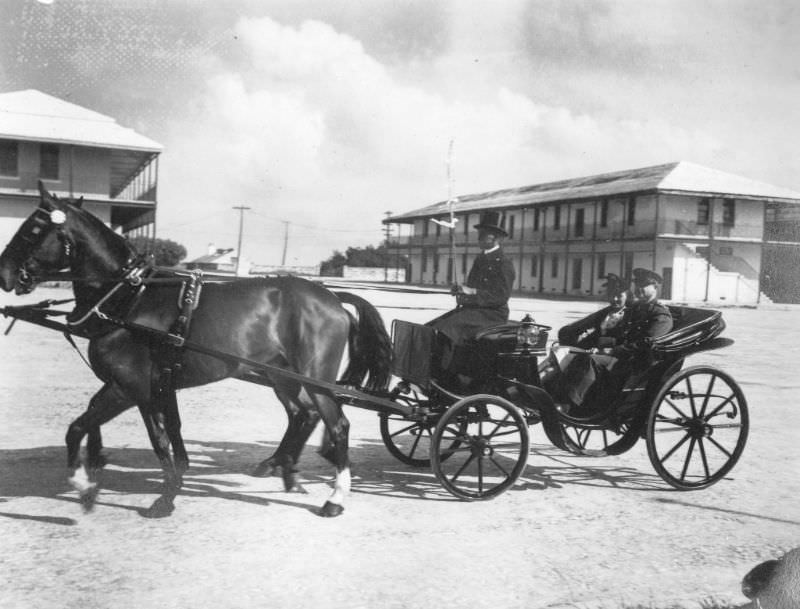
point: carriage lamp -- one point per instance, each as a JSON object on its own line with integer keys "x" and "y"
{"x": 527, "y": 333}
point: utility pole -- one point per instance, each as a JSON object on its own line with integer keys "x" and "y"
{"x": 241, "y": 209}
{"x": 387, "y": 231}
{"x": 285, "y": 241}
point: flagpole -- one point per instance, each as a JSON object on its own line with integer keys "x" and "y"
{"x": 453, "y": 275}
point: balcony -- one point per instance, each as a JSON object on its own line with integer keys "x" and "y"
{"x": 785, "y": 231}
{"x": 718, "y": 230}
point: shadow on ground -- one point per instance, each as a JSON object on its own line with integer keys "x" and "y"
{"x": 216, "y": 469}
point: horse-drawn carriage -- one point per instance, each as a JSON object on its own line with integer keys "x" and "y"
{"x": 289, "y": 334}
{"x": 694, "y": 420}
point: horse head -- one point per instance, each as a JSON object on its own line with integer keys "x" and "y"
{"x": 43, "y": 244}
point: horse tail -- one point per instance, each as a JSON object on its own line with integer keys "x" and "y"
{"x": 369, "y": 345}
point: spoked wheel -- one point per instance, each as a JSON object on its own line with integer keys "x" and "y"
{"x": 599, "y": 440}
{"x": 410, "y": 441}
{"x": 488, "y": 440}
{"x": 697, "y": 428}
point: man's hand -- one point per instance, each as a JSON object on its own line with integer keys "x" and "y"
{"x": 457, "y": 289}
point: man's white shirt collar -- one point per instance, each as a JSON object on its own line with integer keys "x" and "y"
{"x": 494, "y": 249}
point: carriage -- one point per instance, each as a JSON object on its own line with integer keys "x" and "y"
{"x": 694, "y": 420}
{"x": 289, "y": 334}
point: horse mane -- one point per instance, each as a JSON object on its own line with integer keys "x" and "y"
{"x": 117, "y": 242}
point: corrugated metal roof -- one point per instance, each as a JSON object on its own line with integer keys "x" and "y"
{"x": 35, "y": 116}
{"x": 671, "y": 177}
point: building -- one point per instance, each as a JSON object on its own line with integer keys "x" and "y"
{"x": 713, "y": 236}
{"x": 75, "y": 152}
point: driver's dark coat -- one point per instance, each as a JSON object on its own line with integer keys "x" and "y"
{"x": 492, "y": 275}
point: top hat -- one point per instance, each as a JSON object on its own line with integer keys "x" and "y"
{"x": 492, "y": 221}
{"x": 643, "y": 277}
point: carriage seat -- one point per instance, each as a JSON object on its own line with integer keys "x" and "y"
{"x": 693, "y": 330}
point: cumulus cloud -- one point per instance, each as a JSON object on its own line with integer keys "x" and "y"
{"x": 316, "y": 132}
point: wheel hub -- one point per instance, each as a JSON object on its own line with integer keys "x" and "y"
{"x": 481, "y": 447}
{"x": 698, "y": 428}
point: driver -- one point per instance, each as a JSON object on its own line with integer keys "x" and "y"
{"x": 483, "y": 301}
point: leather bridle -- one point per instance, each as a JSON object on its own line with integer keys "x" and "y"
{"x": 22, "y": 247}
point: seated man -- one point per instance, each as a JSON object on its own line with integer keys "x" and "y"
{"x": 483, "y": 300}
{"x": 645, "y": 319}
{"x": 605, "y": 324}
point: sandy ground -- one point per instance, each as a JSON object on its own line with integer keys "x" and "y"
{"x": 574, "y": 532}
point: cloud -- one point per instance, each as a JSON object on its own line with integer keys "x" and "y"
{"x": 314, "y": 131}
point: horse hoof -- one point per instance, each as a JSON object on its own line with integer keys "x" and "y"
{"x": 161, "y": 508}
{"x": 331, "y": 510}
{"x": 88, "y": 498}
{"x": 296, "y": 488}
{"x": 264, "y": 470}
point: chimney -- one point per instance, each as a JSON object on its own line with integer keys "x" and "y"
{"x": 212, "y": 249}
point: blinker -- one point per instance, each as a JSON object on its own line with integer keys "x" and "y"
{"x": 58, "y": 217}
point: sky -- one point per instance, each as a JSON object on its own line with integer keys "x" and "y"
{"x": 322, "y": 116}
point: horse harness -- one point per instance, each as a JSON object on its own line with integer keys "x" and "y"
{"x": 167, "y": 348}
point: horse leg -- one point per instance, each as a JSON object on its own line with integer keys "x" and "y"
{"x": 302, "y": 422}
{"x": 172, "y": 424}
{"x": 155, "y": 421}
{"x": 335, "y": 449}
{"x": 95, "y": 458}
{"x": 104, "y": 406}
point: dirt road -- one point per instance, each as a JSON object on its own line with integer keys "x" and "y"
{"x": 575, "y": 531}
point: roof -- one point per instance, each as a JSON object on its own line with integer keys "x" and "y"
{"x": 678, "y": 177}
{"x": 35, "y": 116}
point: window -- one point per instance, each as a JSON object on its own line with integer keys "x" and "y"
{"x": 424, "y": 260}
{"x": 728, "y": 212}
{"x": 557, "y": 218}
{"x": 554, "y": 266}
{"x": 577, "y": 273}
{"x": 536, "y": 219}
{"x": 534, "y": 265}
{"x": 631, "y": 211}
{"x": 511, "y": 220}
{"x": 579, "y": 222}
{"x": 435, "y": 264}
{"x": 601, "y": 266}
{"x": 438, "y": 229}
{"x": 425, "y": 225}
{"x": 464, "y": 265}
{"x": 466, "y": 224}
{"x": 702, "y": 212}
{"x": 48, "y": 161}
{"x": 9, "y": 157}
{"x": 604, "y": 213}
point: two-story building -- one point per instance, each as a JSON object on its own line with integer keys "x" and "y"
{"x": 75, "y": 152}
{"x": 713, "y": 236}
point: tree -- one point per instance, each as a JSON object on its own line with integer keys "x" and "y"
{"x": 369, "y": 256}
{"x": 332, "y": 267}
{"x": 165, "y": 251}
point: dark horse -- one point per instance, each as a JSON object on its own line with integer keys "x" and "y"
{"x": 287, "y": 322}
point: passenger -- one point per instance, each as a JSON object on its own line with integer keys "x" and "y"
{"x": 645, "y": 319}
{"x": 603, "y": 327}
{"x": 483, "y": 300}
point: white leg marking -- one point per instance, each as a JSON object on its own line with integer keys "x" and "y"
{"x": 80, "y": 480}
{"x": 341, "y": 488}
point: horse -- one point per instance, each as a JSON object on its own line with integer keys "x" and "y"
{"x": 126, "y": 307}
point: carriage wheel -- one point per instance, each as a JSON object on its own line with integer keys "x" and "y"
{"x": 598, "y": 440}
{"x": 488, "y": 439}
{"x": 697, "y": 428}
{"x": 408, "y": 440}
